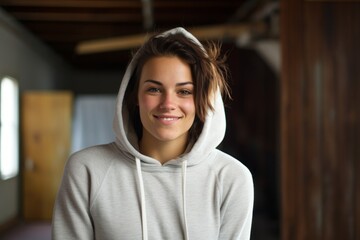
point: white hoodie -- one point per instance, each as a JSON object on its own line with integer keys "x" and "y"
{"x": 112, "y": 191}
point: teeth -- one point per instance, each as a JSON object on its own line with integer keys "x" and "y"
{"x": 168, "y": 119}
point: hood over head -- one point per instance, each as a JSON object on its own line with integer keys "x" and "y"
{"x": 210, "y": 137}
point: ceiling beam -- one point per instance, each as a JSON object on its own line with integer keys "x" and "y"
{"x": 111, "y": 44}
{"x": 77, "y": 17}
{"x": 196, "y": 4}
{"x": 202, "y": 33}
{"x": 98, "y": 29}
{"x": 71, "y": 4}
{"x": 116, "y": 4}
{"x": 126, "y": 17}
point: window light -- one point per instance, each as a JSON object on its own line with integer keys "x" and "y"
{"x": 9, "y": 128}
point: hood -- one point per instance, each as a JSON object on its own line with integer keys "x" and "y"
{"x": 211, "y": 136}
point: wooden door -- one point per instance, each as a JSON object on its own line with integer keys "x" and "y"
{"x": 46, "y": 135}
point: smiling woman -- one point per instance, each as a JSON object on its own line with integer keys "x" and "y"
{"x": 169, "y": 120}
{"x": 9, "y": 123}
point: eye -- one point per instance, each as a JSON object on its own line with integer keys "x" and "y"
{"x": 153, "y": 90}
{"x": 185, "y": 92}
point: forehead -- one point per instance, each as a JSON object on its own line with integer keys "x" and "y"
{"x": 159, "y": 68}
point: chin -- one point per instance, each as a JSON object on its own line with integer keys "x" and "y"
{"x": 169, "y": 137}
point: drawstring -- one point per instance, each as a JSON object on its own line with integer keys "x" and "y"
{"x": 184, "y": 168}
{"x": 142, "y": 196}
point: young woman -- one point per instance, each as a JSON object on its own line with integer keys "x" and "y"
{"x": 163, "y": 177}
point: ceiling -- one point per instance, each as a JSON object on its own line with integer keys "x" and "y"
{"x": 63, "y": 24}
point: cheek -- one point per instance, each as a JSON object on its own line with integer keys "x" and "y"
{"x": 189, "y": 107}
{"x": 146, "y": 102}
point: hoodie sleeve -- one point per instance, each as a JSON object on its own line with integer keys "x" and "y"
{"x": 71, "y": 218}
{"x": 237, "y": 203}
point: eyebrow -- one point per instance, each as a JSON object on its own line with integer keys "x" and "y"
{"x": 159, "y": 83}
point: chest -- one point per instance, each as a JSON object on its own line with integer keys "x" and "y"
{"x": 116, "y": 212}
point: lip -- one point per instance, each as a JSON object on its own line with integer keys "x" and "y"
{"x": 167, "y": 119}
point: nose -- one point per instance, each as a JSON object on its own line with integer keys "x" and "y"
{"x": 168, "y": 102}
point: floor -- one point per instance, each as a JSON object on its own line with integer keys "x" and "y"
{"x": 28, "y": 231}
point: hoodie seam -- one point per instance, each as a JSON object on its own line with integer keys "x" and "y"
{"x": 216, "y": 174}
{"x": 96, "y": 194}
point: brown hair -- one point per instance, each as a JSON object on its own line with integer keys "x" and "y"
{"x": 207, "y": 68}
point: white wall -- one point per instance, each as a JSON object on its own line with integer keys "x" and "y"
{"x": 36, "y": 67}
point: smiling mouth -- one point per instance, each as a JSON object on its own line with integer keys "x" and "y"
{"x": 167, "y": 118}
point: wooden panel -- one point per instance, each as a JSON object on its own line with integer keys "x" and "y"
{"x": 339, "y": 60}
{"x": 320, "y": 126}
{"x": 291, "y": 114}
{"x": 46, "y": 131}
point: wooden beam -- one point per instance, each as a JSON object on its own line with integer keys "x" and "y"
{"x": 196, "y": 4}
{"x": 226, "y": 30}
{"x": 111, "y": 44}
{"x": 77, "y": 17}
{"x": 71, "y": 4}
{"x": 97, "y": 29}
{"x": 123, "y": 16}
{"x": 202, "y": 33}
{"x": 116, "y": 4}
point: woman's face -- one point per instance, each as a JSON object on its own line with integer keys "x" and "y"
{"x": 166, "y": 99}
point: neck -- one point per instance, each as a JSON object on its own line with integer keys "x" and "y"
{"x": 162, "y": 151}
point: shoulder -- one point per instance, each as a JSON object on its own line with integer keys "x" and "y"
{"x": 225, "y": 164}
{"x": 231, "y": 173}
{"x": 98, "y": 154}
{"x": 95, "y": 159}
{"x": 86, "y": 169}
{"x": 103, "y": 151}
